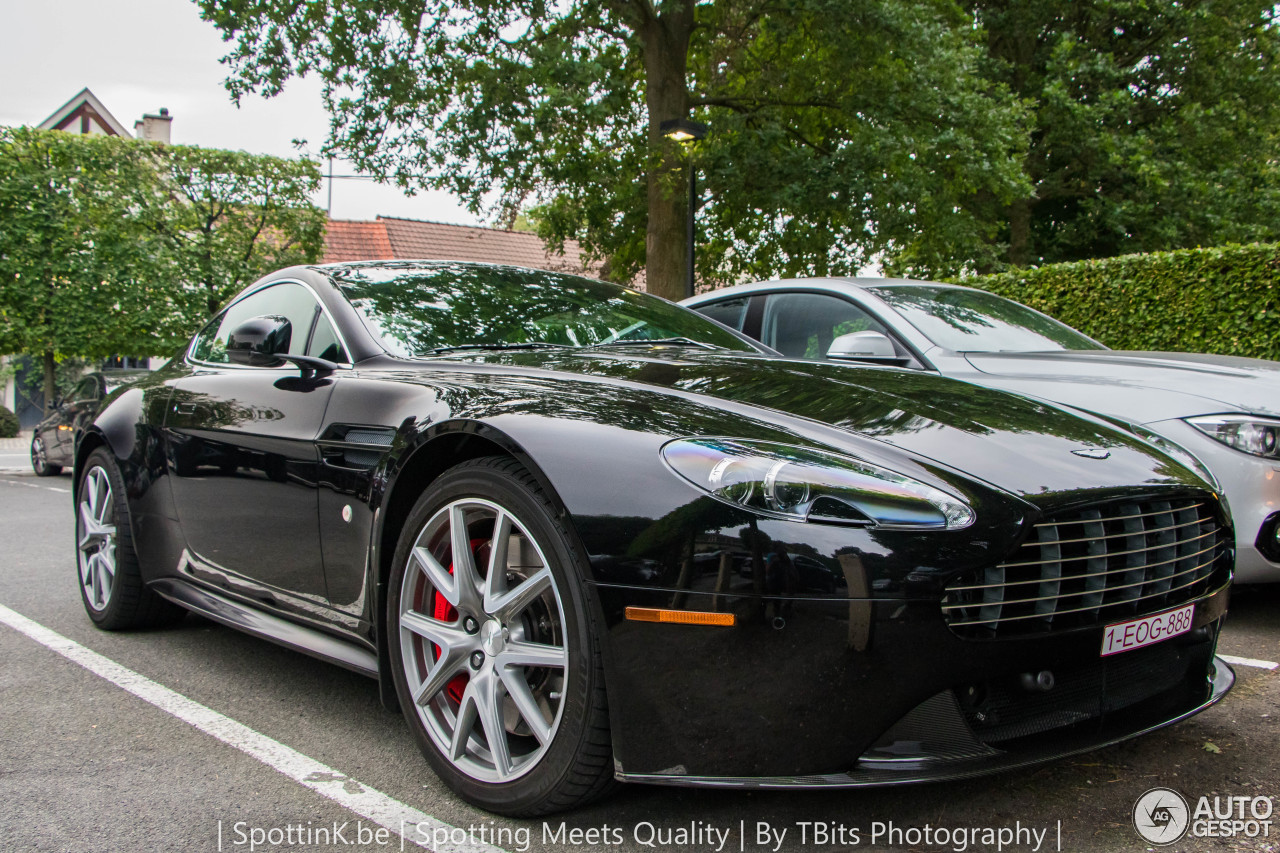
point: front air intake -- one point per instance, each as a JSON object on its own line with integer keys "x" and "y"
{"x": 1094, "y": 566}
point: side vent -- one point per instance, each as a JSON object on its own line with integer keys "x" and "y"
{"x": 359, "y": 447}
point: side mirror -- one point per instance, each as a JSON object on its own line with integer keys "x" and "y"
{"x": 260, "y": 342}
{"x": 863, "y": 346}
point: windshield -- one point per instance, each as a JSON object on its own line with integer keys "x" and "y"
{"x": 423, "y": 308}
{"x": 975, "y": 321}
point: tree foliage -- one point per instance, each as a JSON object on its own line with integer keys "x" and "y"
{"x": 232, "y": 217}
{"x": 1155, "y": 123}
{"x": 115, "y": 246}
{"x": 838, "y": 130}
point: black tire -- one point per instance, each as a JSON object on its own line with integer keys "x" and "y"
{"x": 115, "y": 599}
{"x": 40, "y": 459}
{"x": 570, "y": 762}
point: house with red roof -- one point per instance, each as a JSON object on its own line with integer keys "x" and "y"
{"x": 390, "y": 239}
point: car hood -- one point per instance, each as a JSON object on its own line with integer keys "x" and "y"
{"x": 1143, "y": 387}
{"x": 1014, "y": 443}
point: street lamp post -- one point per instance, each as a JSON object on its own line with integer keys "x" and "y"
{"x": 685, "y": 130}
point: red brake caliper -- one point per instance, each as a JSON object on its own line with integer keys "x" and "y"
{"x": 442, "y": 610}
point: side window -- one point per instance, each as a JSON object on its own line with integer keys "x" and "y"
{"x": 325, "y": 344}
{"x": 86, "y": 391}
{"x": 803, "y": 325}
{"x": 731, "y": 312}
{"x": 291, "y": 301}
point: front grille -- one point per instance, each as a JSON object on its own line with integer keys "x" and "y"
{"x": 1093, "y": 566}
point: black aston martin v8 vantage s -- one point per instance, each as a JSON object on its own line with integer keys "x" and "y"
{"x": 581, "y": 534}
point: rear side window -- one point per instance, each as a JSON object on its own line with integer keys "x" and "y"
{"x": 325, "y": 343}
{"x": 731, "y": 312}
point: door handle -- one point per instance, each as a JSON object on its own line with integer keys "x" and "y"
{"x": 185, "y": 408}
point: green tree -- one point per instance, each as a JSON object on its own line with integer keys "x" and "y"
{"x": 232, "y": 217}
{"x": 1155, "y": 124}
{"x": 79, "y": 262}
{"x": 112, "y": 245}
{"x": 839, "y": 130}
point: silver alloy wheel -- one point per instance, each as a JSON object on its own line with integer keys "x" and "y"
{"x": 96, "y": 538}
{"x": 39, "y": 459}
{"x": 483, "y": 646}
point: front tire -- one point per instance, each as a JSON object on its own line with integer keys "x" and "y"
{"x": 111, "y": 585}
{"x": 495, "y": 661}
{"x": 40, "y": 459}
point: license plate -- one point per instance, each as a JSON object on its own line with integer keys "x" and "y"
{"x": 1126, "y": 636}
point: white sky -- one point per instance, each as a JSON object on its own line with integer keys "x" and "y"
{"x": 140, "y": 55}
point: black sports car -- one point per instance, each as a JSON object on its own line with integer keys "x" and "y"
{"x": 489, "y": 488}
{"x": 53, "y": 440}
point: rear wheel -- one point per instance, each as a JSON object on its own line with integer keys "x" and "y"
{"x": 492, "y": 650}
{"x": 111, "y": 584}
{"x": 40, "y": 459}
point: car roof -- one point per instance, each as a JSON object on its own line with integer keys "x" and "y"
{"x": 835, "y": 284}
{"x": 431, "y": 264}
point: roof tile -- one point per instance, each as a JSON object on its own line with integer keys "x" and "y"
{"x": 391, "y": 238}
{"x": 346, "y": 240}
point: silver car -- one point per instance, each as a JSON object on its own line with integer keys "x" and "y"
{"x": 1225, "y": 410}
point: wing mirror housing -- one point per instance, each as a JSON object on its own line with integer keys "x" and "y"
{"x": 264, "y": 342}
{"x": 260, "y": 342}
{"x": 864, "y": 346}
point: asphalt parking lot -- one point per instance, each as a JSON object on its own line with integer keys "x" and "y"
{"x": 86, "y": 764}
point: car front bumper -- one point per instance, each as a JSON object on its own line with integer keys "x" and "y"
{"x": 857, "y": 693}
{"x": 872, "y": 771}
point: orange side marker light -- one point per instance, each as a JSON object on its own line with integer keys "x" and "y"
{"x": 680, "y": 617}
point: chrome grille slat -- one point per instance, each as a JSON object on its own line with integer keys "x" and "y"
{"x": 1077, "y": 610}
{"x": 1113, "y": 518}
{"x": 1109, "y": 553}
{"x": 1087, "y": 592}
{"x": 1104, "y": 563}
{"x": 1111, "y": 536}
{"x": 1212, "y": 547}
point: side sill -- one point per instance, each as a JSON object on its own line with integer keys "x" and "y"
{"x": 233, "y": 614}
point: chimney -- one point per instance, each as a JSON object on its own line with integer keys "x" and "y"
{"x": 154, "y": 127}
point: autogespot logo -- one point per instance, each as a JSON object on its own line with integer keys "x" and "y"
{"x": 1161, "y": 816}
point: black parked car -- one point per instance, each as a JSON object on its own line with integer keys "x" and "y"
{"x": 487, "y": 488}
{"x": 54, "y": 439}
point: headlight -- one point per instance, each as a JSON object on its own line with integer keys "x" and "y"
{"x": 1251, "y": 434}
{"x": 812, "y": 485}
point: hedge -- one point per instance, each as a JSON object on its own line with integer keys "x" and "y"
{"x": 1223, "y": 300}
{"x": 8, "y": 423}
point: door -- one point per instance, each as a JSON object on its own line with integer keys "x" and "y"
{"x": 243, "y": 453}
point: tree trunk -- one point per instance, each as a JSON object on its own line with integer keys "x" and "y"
{"x": 50, "y": 380}
{"x": 1020, "y": 232}
{"x": 666, "y": 47}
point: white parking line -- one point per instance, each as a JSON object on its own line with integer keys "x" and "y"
{"x": 405, "y": 821}
{"x": 1260, "y": 664}
{"x": 34, "y": 485}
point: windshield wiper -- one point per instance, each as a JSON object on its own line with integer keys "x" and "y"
{"x": 643, "y": 342}
{"x": 531, "y": 345}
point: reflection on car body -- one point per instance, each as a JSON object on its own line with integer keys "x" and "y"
{"x": 54, "y": 439}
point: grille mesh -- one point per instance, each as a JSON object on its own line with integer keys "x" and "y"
{"x": 1093, "y": 566}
